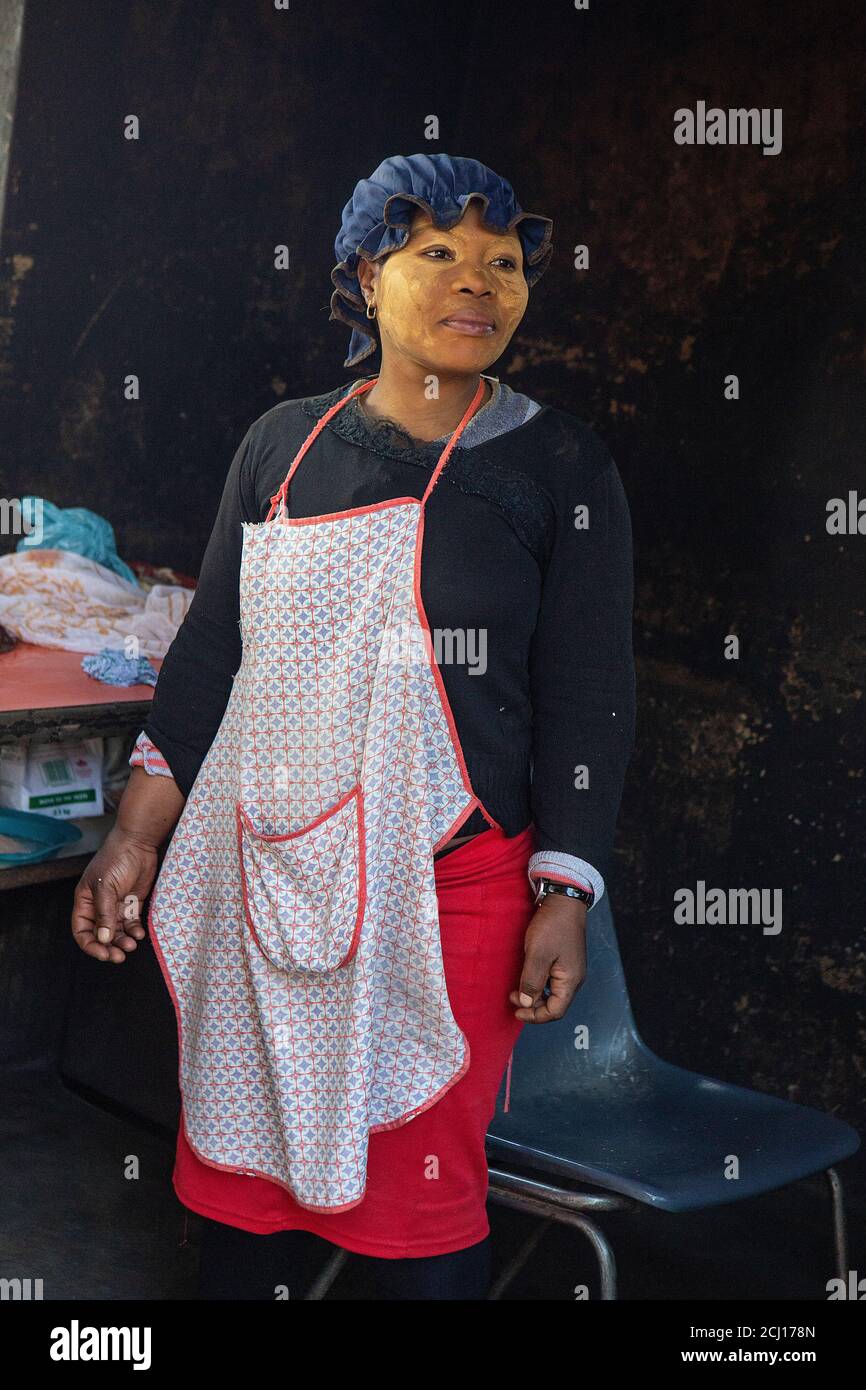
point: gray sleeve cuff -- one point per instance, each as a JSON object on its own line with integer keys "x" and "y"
{"x": 568, "y": 868}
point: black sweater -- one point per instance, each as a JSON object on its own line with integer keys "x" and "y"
{"x": 548, "y": 687}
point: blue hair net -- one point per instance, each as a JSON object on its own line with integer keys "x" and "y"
{"x": 378, "y": 215}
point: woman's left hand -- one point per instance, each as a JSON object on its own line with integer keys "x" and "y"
{"x": 555, "y": 946}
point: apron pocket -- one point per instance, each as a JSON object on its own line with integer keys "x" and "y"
{"x": 304, "y": 893}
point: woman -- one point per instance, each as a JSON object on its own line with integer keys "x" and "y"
{"x": 391, "y": 737}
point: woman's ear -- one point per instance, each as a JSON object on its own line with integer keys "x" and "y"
{"x": 366, "y": 278}
{"x": 364, "y": 269}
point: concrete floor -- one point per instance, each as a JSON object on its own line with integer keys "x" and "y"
{"x": 72, "y": 1217}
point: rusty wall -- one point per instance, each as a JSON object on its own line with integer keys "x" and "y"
{"x": 156, "y": 257}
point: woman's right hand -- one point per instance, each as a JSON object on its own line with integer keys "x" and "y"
{"x": 106, "y": 914}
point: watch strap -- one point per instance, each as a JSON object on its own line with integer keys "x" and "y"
{"x": 568, "y": 890}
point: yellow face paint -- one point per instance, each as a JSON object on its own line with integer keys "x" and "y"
{"x": 466, "y": 269}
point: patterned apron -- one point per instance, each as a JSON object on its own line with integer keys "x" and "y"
{"x": 295, "y": 916}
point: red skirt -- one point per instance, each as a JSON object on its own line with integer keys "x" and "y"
{"x": 427, "y": 1180}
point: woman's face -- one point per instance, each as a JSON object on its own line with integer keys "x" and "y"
{"x": 465, "y": 272}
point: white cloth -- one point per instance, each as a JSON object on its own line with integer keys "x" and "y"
{"x": 58, "y": 598}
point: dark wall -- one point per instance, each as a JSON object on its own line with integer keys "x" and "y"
{"x": 156, "y": 257}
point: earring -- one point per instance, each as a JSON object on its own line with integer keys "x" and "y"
{"x": 371, "y": 305}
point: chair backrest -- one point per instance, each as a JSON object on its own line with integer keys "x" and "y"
{"x": 596, "y": 1036}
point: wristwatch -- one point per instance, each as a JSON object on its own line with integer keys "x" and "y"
{"x": 569, "y": 890}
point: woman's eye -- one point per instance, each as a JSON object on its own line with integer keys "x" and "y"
{"x": 431, "y": 250}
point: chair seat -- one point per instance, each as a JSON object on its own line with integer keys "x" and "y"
{"x": 660, "y": 1134}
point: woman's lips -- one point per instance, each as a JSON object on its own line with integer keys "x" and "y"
{"x": 474, "y": 327}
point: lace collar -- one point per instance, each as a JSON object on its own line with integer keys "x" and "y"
{"x": 525, "y": 506}
{"x": 383, "y": 435}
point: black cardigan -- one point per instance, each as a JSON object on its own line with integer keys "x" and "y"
{"x": 502, "y": 560}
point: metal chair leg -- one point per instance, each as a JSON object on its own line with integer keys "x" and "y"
{"x": 322, "y": 1282}
{"x": 840, "y": 1232}
{"x": 533, "y": 1206}
{"x": 604, "y": 1254}
{"x": 515, "y": 1264}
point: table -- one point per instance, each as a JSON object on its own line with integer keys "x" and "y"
{"x": 45, "y": 691}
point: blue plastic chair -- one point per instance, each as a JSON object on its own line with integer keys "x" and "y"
{"x": 636, "y": 1128}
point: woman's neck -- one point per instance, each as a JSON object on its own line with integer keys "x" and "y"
{"x": 407, "y": 407}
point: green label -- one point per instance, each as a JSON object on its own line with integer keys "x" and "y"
{"x": 61, "y": 798}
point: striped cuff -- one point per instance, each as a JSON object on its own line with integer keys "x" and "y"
{"x": 146, "y": 754}
{"x": 566, "y": 868}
